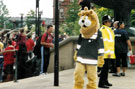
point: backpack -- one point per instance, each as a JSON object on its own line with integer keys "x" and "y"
{"x": 37, "y": 48}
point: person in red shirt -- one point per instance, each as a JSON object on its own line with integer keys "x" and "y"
{"x": 27, "y": 43}
{"x": 46, "y": 42}
{"x": 30, "y": 46}
{"x": 9, "y": 61}
{"x": 13, "y": 42}
{"x": 21, "y": 39}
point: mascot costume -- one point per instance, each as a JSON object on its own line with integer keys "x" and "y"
{"x": 89, "y": 48}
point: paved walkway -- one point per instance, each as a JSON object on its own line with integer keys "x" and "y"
{"x": 66, "y": 81}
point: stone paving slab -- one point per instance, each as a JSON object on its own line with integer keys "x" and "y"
{"x": 66, "y": 81}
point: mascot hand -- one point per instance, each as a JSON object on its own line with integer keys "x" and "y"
{"x": 100, "y": 61}
{"x": 75, "y": 56}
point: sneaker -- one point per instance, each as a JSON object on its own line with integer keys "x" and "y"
{"x": 115, "y": 74}
{"x": 42, "y": 74}
{"x": 122, "y": 74}
{"x": 46, "y": 73}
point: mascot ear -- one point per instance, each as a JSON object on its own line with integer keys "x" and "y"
{"x": 79, "y": 14}
{"x": 90, "y": 12}
{"x": 85, "y": 8}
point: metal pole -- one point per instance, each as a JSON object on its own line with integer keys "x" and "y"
{"x": 39, "y": 31}
{"x": 37, "y": 17}
{"x": 56, "y": 64}
{"x": 21, "y": 20}
{"x": 38, "y": 22}
{"x": 16, "y": 67}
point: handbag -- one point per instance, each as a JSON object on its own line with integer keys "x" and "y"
{"x": 132, "y": 59}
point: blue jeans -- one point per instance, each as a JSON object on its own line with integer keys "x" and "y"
{"x": 42, "y": 59}
{"x": 1, "y": 70}
{"x": 1, "y": 67}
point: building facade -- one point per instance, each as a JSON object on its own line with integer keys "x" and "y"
{"x": 63, "y": 7}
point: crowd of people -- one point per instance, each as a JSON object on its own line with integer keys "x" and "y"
{"x": 13, "y": 42}
{"x": 32, "y": 54}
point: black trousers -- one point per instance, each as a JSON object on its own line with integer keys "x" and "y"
{"x": 121, "y": 58}
{"x": 46, "y": 62}
{"x": 46, "y": 59}
{"x": 22, "y": 58}
{"x": 113, "y": 66}
{"x": 104, "y": 72}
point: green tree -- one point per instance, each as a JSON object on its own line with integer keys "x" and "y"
{"x": 30, "y": 19}
{"x": 3, "y": 14}
{"x": 101, "y": 11}
{"x": 132, "y": 19}
{"x": 71, "y": 26}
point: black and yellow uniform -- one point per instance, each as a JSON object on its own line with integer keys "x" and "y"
{"x": 109, "y": 46}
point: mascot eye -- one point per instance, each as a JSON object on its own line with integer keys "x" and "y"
{"x": 81, "y": 17}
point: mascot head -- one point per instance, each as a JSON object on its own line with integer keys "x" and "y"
{"x": 89, "y": 22}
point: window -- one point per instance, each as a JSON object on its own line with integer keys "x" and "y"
{"x": 61, "y": 13}
{"x": 61, "y": 0}
{"x": 71, "y": 0}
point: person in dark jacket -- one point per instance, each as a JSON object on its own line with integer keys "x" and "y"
{"x": 22, "y": 55}
{"x": 122, "y": 43}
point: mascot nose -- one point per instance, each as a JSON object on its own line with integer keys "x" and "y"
{"x": 82, "y": 21}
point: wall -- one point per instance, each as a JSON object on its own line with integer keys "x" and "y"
{"x": 66, "y": 52}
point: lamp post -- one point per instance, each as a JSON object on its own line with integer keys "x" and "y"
{"x": 56, "y": 57}
{"x": 37, "y": 16}
{"x": 39, "y": 22}
{"x": 22, "y": 19}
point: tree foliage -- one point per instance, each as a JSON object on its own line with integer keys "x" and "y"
{"x": 3, "y": 14}
{"x": 30, "y": 18}
{"x": 101, "y": 11}
{"x": 132, "y": 19}
{"x": 71, "y": 26}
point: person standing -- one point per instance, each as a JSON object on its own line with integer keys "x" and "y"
{"x": 9, "y": 60}
{"x": 22, "y": 54}
{"x": 30, "y": 46}
{"x": 46, "y": 42}
{"x": 113, "y": 62}
{"x": 122, "y": 43}
{"x": 108, "y": 39}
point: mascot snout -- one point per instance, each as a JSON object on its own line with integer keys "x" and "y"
{"x": 84, "y": 21}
